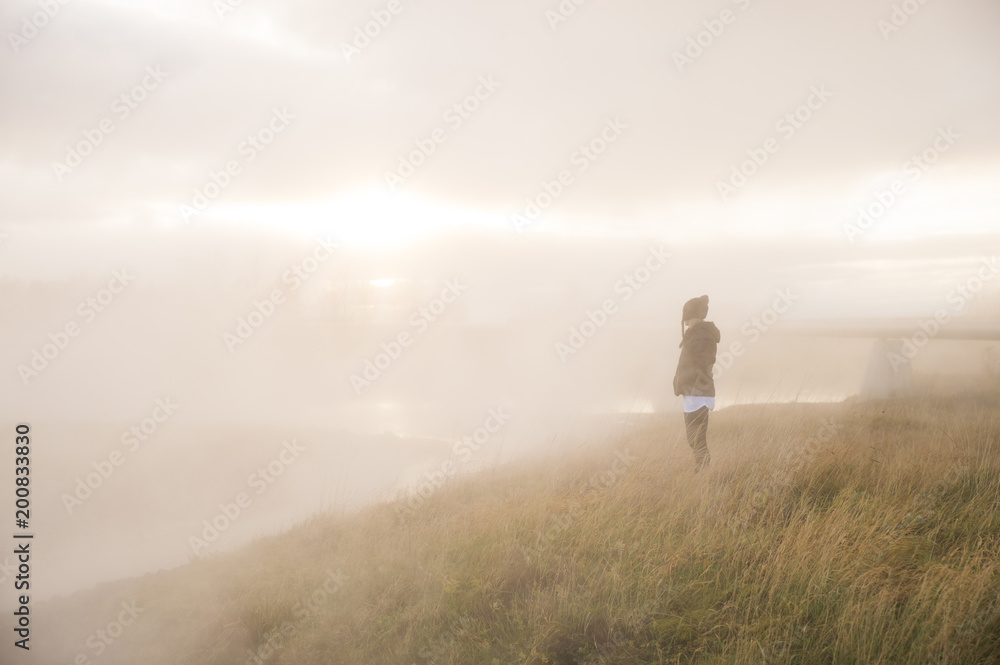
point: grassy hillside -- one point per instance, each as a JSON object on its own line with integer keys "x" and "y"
{"x": 851, "y": 533}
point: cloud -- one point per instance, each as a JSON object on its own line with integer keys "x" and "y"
{"x": 356, "y": 118}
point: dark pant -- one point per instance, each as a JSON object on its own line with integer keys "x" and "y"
{"x": 696, "y": 423}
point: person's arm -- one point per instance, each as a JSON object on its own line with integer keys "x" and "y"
{"x": 704, "y": 353}
{"x": 678, "y": 378}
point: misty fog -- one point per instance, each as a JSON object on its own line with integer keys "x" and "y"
{"x": 341, "y": 318}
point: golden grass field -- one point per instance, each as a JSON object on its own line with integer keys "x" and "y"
{"x": 843, "y": 533}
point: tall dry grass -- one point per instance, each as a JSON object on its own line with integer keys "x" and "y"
{"x": 847, "y": 533}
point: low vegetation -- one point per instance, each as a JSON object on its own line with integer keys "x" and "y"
{"x": 845, "y": 533}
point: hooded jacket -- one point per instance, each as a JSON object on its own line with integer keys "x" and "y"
{"x": 694, "y": 367}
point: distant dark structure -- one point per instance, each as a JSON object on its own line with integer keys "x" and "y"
{"x": 897, "y": 341}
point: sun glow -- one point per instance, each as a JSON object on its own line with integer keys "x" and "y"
{"x": 370, "y": 218}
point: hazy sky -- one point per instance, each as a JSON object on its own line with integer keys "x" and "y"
{"x": 682, "y": 125}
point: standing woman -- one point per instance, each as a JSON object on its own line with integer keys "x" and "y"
{"x": 693, "y": 380}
